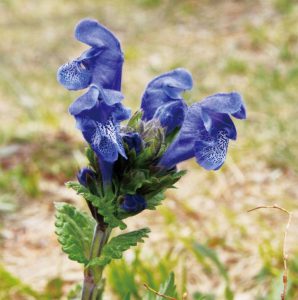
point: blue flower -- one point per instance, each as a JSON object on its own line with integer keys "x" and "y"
{"x": 162, "y": 99}
{"x": 98, "y": 114}
{"x": 133, "y": 203}
{"x": 133, "y": 141}
{"x": 206, "y": 132}
{"x": 171, "y": 115}
{"x": 84, "y": 175}
{"x": 100, "y": 65}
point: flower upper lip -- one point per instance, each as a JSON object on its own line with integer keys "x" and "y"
{"x": 162, "y": 98}
{"x": 90, "y": 32}
{"x": 101, "y": 64}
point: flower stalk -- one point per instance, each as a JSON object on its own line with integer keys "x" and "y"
{"x": 93, "y": 285}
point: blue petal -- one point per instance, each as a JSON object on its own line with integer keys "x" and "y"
{"x": 133, "y": 203}
{"x": 120, "y": 112}
{"x": 106, "y": 169}
{"x": 85, "y": 102}
{"x": 120, "y": 146}
{"x": 99, "y": 121}
{"x": 171, "y": 115}
{"x": 92, "y": 33}
{"x": 101, "y": 64}
{"x": 105, "y": 58}
{"x": 215, "y": 122}
{"x": 182, "y": 147}
{"x": 164, "y": 88}
{"x": 111, "y": 97}
{"x": 106, "y": 69}
{"x": 176, "y": 82}
{"x": 199, "y": 129}
{"x": 100, "y": 105}
{"x": 228, "y": 103}
{"x": 85, "y": 124}
{"x": 105, "y": 148}
{"x": 74, "y": 76}
{"x": 241, "y": 114}
{"x": 105, "y": 140}
{"x": 211, "y": 152}
{"x": 205, "y": 132}
{"x": 90, "y": 54}
{"x": 101, "y": 144}
{"x": 151, "y": 101}
{"x": 84, "y": 174}
{"x": 133, "y": 141}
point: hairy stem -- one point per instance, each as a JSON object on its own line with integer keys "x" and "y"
{"x": 93, "y": 283}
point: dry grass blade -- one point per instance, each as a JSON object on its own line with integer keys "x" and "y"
{"x": 285, "y": 254}
{"x": 157, "y": 293}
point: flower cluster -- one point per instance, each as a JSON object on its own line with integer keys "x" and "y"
{"x": 137, "y": 161}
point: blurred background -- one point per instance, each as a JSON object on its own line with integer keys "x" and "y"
{"x": 203, "y": 231}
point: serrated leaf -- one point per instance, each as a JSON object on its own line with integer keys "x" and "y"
{"x": 147, "y": 155}
{"x": 134, "y": 180}
{"x": 74, "y": 230}
{"x": 142, "y": 182}
{"x": 105, "y": 206}
{"x": 171, "y": 178}
{"x": 154, "y": 201}
{"x": 168, "y": 288}
{"x": 117, "y": 245}
{"x": 161, "y": 182}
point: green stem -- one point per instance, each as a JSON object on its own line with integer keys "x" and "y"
{"x": 93, "y": 283}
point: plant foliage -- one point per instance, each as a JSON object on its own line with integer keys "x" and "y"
{"x": 74, "y": 230}
{"x": 117, "y": 245}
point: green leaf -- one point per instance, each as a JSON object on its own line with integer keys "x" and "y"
{"x": 127, "y": 297}
{"x": 147, "y": 184}
{"x": 229, "y": 293}
{"x": 134, "y": 180}
{"x": 105, "y": 205}
{"x": 75, "y": 292}
{"x": 168, "y": 288}
{"x": 116, "y": 246}
{"x": 159, "y": 183}
{"x": 91, "y": 156}
{"x": 211, "y": 254}
{"x": 150, "y": 153}
{"x": 149, "y": 296}
{"x": 155, "y": 200}
{"x": 170, "y": 137}
{"x": 203, "y": 251}
{"x": 135, "y": 119}
{"x": 122, "y": 279}
{"x": 74, "y": 230}
{"x": 200, "y": 296}
{"x": 9, "y": 283}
